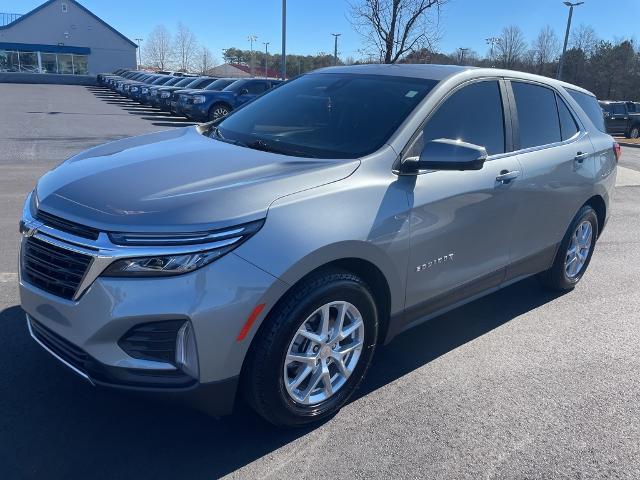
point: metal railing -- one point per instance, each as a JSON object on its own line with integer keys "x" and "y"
{"x": 7, "y": 18}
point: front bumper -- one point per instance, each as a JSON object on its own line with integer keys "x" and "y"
{"x": 215, "y": 398}
{"x": 198, "y": 112}
{"x": 86, "y": 330}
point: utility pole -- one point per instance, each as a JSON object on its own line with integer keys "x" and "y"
{"x": 566, "y": 36}
{"x": 266, "y": 57}
{"x": 492, "y": 41}
{"x": 462, "y": 52}
{"x": 139, "y": 41}
{"x": 335, "y": 48}
{"x": 283, "y": 58}
{"x": 252, "y": 38}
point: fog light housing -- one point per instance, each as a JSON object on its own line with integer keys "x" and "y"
{"x": 186, "y": 351}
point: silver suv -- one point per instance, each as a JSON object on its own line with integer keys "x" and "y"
{"x": 266, "y": 255}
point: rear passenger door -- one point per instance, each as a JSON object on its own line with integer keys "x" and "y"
{"x": 558, "y": 167}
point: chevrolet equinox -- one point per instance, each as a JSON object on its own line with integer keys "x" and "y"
{"x": 267, "y": 254}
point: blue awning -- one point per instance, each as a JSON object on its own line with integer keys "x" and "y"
{"x": 36, "y": 47}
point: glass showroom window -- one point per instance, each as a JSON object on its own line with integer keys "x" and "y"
{"x": 49, "y": 63}
{"x": 80, "y": 65}
{"x": 65, "y": 63}
{"x": 9, "y": 61}
{"x": 28, "y": 62}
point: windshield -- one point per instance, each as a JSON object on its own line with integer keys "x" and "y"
{"x": 160, "y": 80}
{"x": 327, "y": 115}
{"x": 173, "y": 81}
{"x": 233, "y": 86}
{"x": 220, "y": 84}
{"x": 184, "y": 81}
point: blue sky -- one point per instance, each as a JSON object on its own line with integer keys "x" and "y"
{"x": 466, "y": 23}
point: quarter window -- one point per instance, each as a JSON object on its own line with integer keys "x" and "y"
{"x": 472, "y": 114}
{"x": 537, "y": 115}
{"x": 568, "y": 127}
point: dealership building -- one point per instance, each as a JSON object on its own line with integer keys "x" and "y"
{"x": 62, "y": 36}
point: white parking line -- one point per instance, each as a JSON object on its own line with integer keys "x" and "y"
{"x": 8, "y": 277}
{"x": 627, "y": 177}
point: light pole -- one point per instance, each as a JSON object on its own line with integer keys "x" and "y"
{"x": 283, "y": 58}
{"x": 266, "y": 57}
{"x": 566, "y": 36}
{"x": 462, "y": 52}
{"x": 492, "y": 41}
{"x": 252, "y": 38}
{"x": 335, "y": 48}
{"x": 139, "y": 40}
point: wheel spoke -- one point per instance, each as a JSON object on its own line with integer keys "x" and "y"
{"x": 305, "y": 358}
{"x": 342, "y": 312}
{"x": 339, "y": 363}
{"x": 300, "y": 376}
{"x": 324, "y": 321}
{"x": 313, "y": 383}
{"x": 310, "y": 335}
{"x": 346, "y": 349}
{"x": 326, "y": 379}
{"x": 346, "y": 333}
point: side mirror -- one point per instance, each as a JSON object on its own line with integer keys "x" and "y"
{"x": 446, "y": 154}
{"x": 244, "y": 91}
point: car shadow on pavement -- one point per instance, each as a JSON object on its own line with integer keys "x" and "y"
{"x": 55, "y": 425}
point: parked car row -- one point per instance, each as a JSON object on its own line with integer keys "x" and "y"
{"x": 622, "y": 118}
{"x": 200, "y": 98}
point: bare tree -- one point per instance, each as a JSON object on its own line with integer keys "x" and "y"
{"x": 157, "y": 49}
{"x": 584, "y": 38}
{"x": 394, "y": 28}
{"x": 511, "y": 46}
{"x": 186, "y": 47}
{"x": 545, "y": 47}
{"x": 206, "y": 60}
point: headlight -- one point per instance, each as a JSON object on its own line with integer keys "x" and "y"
{"x": 193, "y": 250}
{"x": 165, "y": 95}
{"x": 145, "y": 90}
{"x": 199, "y": 98}
{"x": 134, "y": 89}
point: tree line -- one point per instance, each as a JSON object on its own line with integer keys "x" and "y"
{"x": 180, "y": 51}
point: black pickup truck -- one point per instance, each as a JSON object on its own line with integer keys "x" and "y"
{"x": 622, "y": 118}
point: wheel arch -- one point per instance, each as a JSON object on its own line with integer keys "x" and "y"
{"x": 599, "y": 205}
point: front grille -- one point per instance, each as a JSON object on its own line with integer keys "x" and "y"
{"x": 71, "y": 354}
{"x": 53, "y": 269}
{"x": 67, "y": 225}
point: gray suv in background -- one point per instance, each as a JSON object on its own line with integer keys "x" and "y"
{"x": 266, "y": 255}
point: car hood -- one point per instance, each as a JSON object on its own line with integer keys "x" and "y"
{"x": 177, "y": 180}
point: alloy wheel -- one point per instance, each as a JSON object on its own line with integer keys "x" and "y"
{"x": 579, "y": 248}
{"x": 323, "y": 353}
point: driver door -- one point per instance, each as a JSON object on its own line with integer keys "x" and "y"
{"x": 461, "y": 221}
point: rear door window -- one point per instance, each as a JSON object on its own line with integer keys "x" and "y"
{"x": 568, "y": 126}
{"x": 537, "y": 115}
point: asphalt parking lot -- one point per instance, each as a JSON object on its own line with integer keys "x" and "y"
{"x": 520, "y": 384}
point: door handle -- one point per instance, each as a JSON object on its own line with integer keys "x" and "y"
{"x": 506, "y": 176}
{"x": 580, "y": 156}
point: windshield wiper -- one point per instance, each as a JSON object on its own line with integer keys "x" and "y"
{"x": 271, "y": 148}
{"x": 215, "y": 131}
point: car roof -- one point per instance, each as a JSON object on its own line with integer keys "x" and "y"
{"x": 441, "y": 72}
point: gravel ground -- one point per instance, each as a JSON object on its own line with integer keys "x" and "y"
{"x": 520, "y": 384}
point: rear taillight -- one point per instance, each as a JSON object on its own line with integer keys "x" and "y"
{"x": 617, "y": 150}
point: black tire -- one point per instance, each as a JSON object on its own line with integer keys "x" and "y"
{"x": 556, "y": 278}
{"x": 218, "y": 110}
{"x": 263, "y": 378}
{"x": 634, "y": 132}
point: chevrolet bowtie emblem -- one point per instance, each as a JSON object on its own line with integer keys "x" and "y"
{"x": 28, "y": 228}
